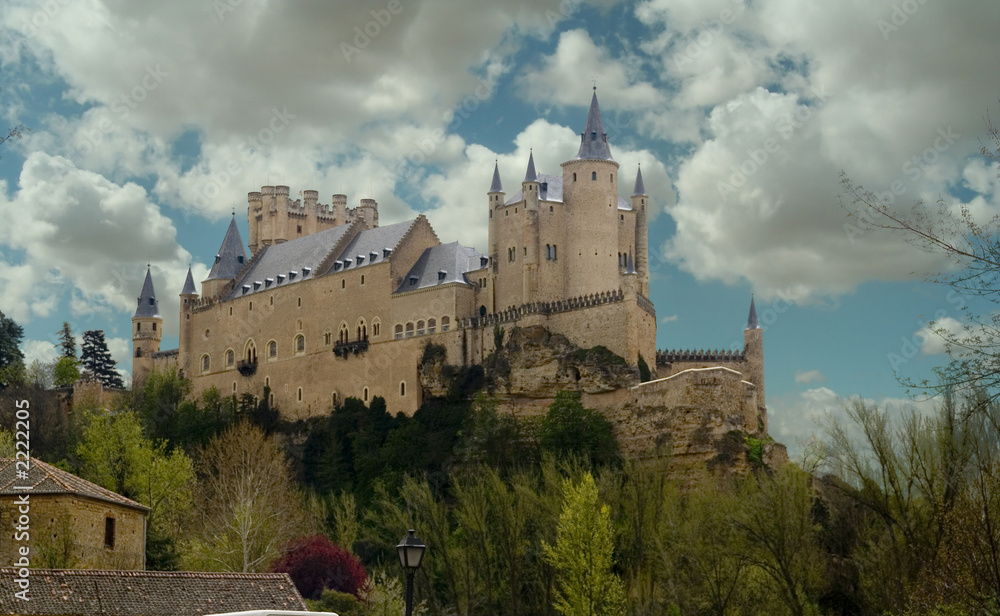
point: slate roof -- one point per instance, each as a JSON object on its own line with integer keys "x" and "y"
{"x": 47, "y": 479}
{"x": 72, "y": 592}
{"x": 371, "y": 245}
{"x": 440, "y": 265}
{"x": 640, "y": 188}
{"x": 277, "y": 262}
{"x": 530, "y": 175}
{"x": 593, "y": 139}
{"x": 550, "y": 188}
{"x": 752, "y": 319}
{"x": 496, "y": 186}
{"x": 147, "y": 304}
{"x": 189, "y": 288}
{"x": 231, "y": 256}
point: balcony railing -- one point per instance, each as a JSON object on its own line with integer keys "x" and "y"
{"x": 246, "y": 367}
{"x": 343, "y": 349}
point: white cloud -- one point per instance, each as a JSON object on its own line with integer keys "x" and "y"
{"x": 43, "y": 351}
{"x": 810, "y": 376}
{"x": 669, "y": 319}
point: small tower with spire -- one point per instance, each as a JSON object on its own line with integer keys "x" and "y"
{"x": 753, "y": 350}
{"x": 147, "y": 330}
{"x": 189, "y": 295}
{"x": 639, "y": 202}
{"x": 228, "y": 262}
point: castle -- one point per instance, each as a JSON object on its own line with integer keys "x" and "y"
{"x": 329, "y": 304}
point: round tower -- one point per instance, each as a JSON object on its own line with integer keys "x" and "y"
{"x": 147, "y": 331}
{"x": 189, "y": 295}
{"x": 590, "y": 195}
{"x": 753, "y": 350}
{"x": 496, "y": 197}
{"x": 639, "y": 202}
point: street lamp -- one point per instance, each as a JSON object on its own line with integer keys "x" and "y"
{"x": 411, "y": 552}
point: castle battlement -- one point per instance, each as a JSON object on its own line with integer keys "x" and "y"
{"x": 700, "y": 355}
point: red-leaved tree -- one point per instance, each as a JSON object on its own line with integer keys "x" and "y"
{"x": 316, "y": 563}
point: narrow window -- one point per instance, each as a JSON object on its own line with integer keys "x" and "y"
{"x": 365, "y": 394}
{"x": 234, "y": 387}
{"x": 398, "y": 334}
{"x": 272, "y": 349}
{"x": 574, "y": 177}
{"x": 431, "y": 324}
{"x": 251, "y": 306}
{"x": 327, "y": 338}
{"x": 300, "y": 343}
{"x": 334, "y": 397}
{"x": 109, "y": 533}
{"x": 344, "y": 334}
{"x": 230, "y": 310}
{"x": 343, "y": 284}
{"x": 138, "y": 327}
{"x": 445, "y": 324}
{"x": 138, "y": 352}
{"x": 206, "y": 363}
{"x": 300, "y": 302}
{"x": 553, "y": 252}
{"x": 362, "y": 279}
{"x": 154, "y": 327}
{"x": 376, "y": 328}
{"x": 270, "y": 300}
{"x": 298, "y": 394}
{"x": 402, "y": 389}
{"x": 420, "y": 328}
{"x": 593, "y": 175}
{"x": 611, "y": 178}
{"x": 230, "y": 358}
{"x": 409, "y": 330}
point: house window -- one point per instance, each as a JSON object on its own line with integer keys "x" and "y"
{"x": 300, "y": 343}
{"x": 251, "y": 306}
{"x": 109, "y": 533}
{"x": 206, "y": 363}
{"x": 445, "y": 324}
{"x": 398, "y": 333}
{"x": 272, "y": 349}
{"x": 230, "y": 358}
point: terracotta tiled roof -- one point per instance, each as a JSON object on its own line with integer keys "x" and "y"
{"x": 47, "y": 479}
{"x": 71, "y": 592}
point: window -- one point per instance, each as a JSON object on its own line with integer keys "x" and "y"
{"x": 251, "y": 352}
{"x": 251, "y": 306}
{"x": 270, "y": 300}
{"x": 270, "y": 399}
{"x": 344, "y": 334}
{"x": 362, "y": 279}
{"x": 230, "y": 310}
{"x": 526, "y": 251}
{"x": 272, "y": 349}
{"x": 402, "y": 389}
{"x": 109, "y": 533}
{"x": 298, "y": 395}
{"x": 299, "y": 229}
{"x": 554, "y": 252}
{"x": 364, "y": 394}
{"x": 445, "y": 324}
{"x": 206, "y": 363}
{"x": 511, "y": 254}
{"x": 300, "y": 302}
{"x": 207, "y": 332}
{"x": 376, "y": 328}
{"x": 409, "y": 330}
{"x": 431, "y": 323}
{"x": 335, "y": 399}
{"x": 267, "y": 381}
{"x": 420, "y": 328}
{"x": 154, "y": 327}
{"x": 234, "y": 387}
{"x": 327, "y": 338}
{"x": 343, "y": 284}
{"x": 548, "y": 252}
{"x": 300, "y": 343}
{"x": 138, "y": 352}
{"x": 611, "y": 178}
{"x": 593, "y": 176}
{"x": 574, "y": 177}
{"x": 398, "y": 332}
{"x": 230, "y": 358}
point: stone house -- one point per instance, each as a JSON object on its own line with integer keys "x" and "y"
{"x": 73, "y": 522}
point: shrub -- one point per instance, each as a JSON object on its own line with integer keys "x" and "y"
{"x": 315, "y": 563}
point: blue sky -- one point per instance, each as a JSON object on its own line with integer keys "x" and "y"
{"x": 151, "y": 121}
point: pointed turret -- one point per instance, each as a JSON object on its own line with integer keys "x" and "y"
{"x": 752, "y": 319}
{"x": 189, "y": 288}
{"x": 228, "y": 262}
{"x": 148, "y": 306}
{"x": 496, "y": 186}
{"x": 530, "y": 175}
{"x": 593, "y": 140}
{"x": 640, "y": 188}
{"x": 629, "y": 265}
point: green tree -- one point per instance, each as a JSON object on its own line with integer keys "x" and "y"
{"x": 67, "y": 342}
{"x": 115, "y": 454}
{"x": 12, "y": 368}
{"x": 97, "y": 360}
{"x": 582, "y": 555}
{"x": 569, "y": 429}
{"x": 66, "y": 371}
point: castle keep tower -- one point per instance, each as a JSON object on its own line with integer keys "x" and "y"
{"x": 147, "y": 330}
{"x": 753, "y": 350}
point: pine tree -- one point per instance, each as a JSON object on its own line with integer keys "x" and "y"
{"x": 96, "y": 359}
{"x": 67, "y": 342}
{"x": 11, "y": 358}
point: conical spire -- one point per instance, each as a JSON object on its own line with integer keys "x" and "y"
{"x": 147, "y": 305}
{"x": 640, "y": 188}
{"x": 752, "y": 319}
{"x": 496, "y": 186}
{"x": 231, "y": 255}
{"x": 630, "y": 265}
{"x": 593, "y": 140}
{"x": 531, "y": 176}
{"x": 189, "y": 288}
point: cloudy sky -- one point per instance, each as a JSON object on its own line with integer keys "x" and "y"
{"x": 150, "y": 122}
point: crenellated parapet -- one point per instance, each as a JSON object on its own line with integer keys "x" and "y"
{"x": 516, "y": 313}
{"x": 672, "y": 356}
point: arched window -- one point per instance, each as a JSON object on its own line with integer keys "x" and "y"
{"x": 398, "y": 333}
{"x": 445, "y": 324}
{"x": 431, "y": 323}
{"x": 327, "y": 338}
{"x": 420, "y": 328}
{"x": 230, "y": 358}
{"x": 376, "y": 328}
{"x": 344, "y": 334}
{"x": 138, "y": 352}
{"x": 362, "y": 329}
{"x": 206, "y": 363}
{"x": 409, "y": 330}
{"x": 593, "y": 175}
{"x": 250, "y": 352}
{"x": 272, "y": 349}
{"x": 300, "y": 343}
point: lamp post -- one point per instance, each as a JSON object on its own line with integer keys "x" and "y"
{"x": 411, "y": 552}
